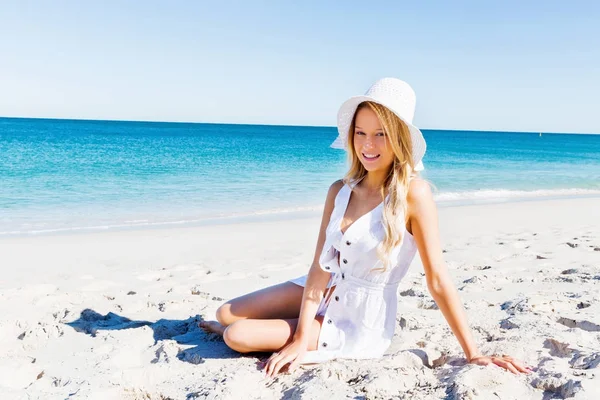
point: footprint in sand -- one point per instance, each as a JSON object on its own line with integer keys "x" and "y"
{"x": 582, "y": 324}
{"x": 583, "y": 304}
{"x": 558, "y": 349}
{"x": 38, "y": 334}
{"x": 60, "y": 316}
{"x": 569, "y": 271}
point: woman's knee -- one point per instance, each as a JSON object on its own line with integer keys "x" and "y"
{"x": 234, "y": 337}
{"x": 224, "y": 315}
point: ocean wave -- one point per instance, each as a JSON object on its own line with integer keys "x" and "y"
{"x": 507, "y": 194}
{"x": 443, "y": 198}
{"x": 143, "y": 223}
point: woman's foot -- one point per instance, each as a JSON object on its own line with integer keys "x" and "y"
{"x": 212, "y": 326}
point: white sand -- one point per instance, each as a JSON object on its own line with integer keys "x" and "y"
{"x": 528, "y": 274}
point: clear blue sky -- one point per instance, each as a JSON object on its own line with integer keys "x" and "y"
{"x": 513, "y": 65}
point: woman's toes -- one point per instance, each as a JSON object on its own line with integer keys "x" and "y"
{"x": 212, "y": 326}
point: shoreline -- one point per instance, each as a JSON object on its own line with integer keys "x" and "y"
{"x": 500, "y": 216}
{"x": 268, "y": 215}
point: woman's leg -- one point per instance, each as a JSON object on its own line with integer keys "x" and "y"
{"x": 280, "y": 301}
{"x": 249, "y": 335}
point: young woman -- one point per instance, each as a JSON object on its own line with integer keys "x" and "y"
{"x": 374, "y": 221}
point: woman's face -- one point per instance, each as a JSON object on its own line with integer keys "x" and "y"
{"x": 371, "y": 142}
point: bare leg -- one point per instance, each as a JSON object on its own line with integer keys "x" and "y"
{"x": 249, "y": 335}
{"x": 280, "y": 301}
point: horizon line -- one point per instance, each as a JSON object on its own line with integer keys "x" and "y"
{"x": 281, "y": 125}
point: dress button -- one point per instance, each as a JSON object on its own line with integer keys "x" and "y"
{"x": 348, "y": 243}
{"x": 326, "y": 267}
{"x": 343, "y": 276}
{"x": 329, "y": 321}
{"x": 324, "y": 344}
{"x": 345, "y": 261}
{"x": 337, "y": 298}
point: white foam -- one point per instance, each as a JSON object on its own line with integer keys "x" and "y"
{"x": 447, "y": 198}
{"x": 141, "y": 223}
{"x": 506, "y": 194}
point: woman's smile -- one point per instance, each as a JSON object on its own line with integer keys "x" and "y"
{"x": 370, "y": 156}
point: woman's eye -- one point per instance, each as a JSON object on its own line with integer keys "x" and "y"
{"x": 360, "y": 133}
{"x": 380, "y": 134}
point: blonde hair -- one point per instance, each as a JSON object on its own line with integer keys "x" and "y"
{"x": 396, "y": 182}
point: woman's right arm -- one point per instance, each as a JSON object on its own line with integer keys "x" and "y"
{"x": 317, "y": 279}
{"x": 314, "y": 289}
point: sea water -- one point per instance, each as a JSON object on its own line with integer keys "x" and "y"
{"x": 73, "y": 175}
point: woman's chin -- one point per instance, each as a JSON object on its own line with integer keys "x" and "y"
{"x": 371, "y": 167}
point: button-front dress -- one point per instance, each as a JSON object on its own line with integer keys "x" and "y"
{"x": 359, "y": 317}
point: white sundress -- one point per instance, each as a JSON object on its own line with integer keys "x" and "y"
{"x": 359, "y": 317}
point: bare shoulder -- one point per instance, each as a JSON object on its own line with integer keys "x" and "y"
{"x": 419, "y": 196}
{"x": 419, "y": 190}
{"x": 332, "y": 194}
{"x": 335, "y": 188}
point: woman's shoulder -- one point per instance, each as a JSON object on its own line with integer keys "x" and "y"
{"x": 336, "y": 187}
{"x": 420, "y": 195}
{"x": 419, "y": 191}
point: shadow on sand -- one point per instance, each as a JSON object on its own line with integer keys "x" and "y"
{"x": 185, "y": 332}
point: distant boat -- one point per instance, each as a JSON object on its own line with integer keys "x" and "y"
{"x": 540, "y": 134}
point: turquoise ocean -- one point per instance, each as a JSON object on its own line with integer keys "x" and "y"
{"x": 63, "y": 176}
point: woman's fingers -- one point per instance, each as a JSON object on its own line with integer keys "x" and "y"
{"x": 283, "y": 362}
{"x": 520, "y": 366}
{"x": 271, "y": 363}
{"x": 278, "y": 361}
{"x": 517, "y": 364}
{"x": 294, "y": 364}
{"x": 291, "y": 355}
{"x": 277, "y": 364}
{"x": 272, "y": 357}
{"x": 505, "y": 364}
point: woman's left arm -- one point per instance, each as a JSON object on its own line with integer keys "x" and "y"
{"x": 423, "y": 218}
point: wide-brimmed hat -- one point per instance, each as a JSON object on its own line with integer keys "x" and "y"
{"x": 399, "y": 98}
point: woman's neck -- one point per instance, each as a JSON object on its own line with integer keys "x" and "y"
{"x": 373, "y": 181}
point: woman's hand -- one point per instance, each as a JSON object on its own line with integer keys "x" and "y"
{"x": 291, "y": 354}
{"x": 513, "y": 365}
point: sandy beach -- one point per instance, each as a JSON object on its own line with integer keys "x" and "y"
{"x": 114, "y": 314}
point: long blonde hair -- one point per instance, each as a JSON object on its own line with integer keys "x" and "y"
{"x": 396, "y": 182}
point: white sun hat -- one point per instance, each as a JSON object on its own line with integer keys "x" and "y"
{"x": 399, "y": 98}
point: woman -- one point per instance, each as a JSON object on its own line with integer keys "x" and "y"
{"x": 374, "y": 221}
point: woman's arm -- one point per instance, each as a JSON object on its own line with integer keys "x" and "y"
{"x": 424, "y": 224}
{"x": 314, "y": 289}
{"x": 317, "y": 278}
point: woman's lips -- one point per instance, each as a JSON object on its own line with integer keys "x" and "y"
{"x": 370, "y": 157}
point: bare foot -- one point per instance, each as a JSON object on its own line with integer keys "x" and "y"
{"x": 212, "y": 326}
